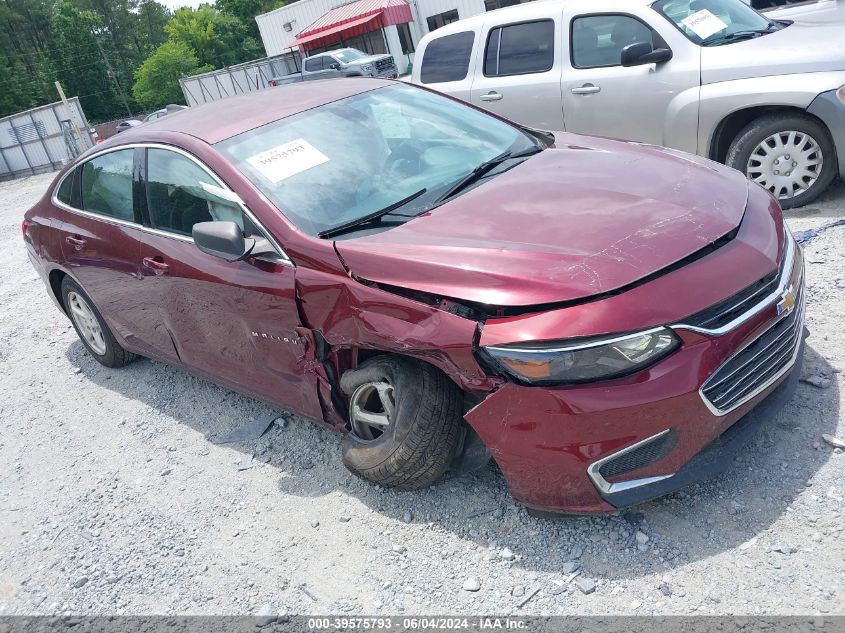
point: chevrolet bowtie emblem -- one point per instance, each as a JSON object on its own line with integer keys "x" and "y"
{"x": 787, "y": 302}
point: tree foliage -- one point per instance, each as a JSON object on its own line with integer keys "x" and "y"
{"x": 218, "y": 38}
{"x": 158, "y": 77}
{"x": 117, "y": 55}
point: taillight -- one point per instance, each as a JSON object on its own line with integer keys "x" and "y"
{"x": 273, "y": 82}
{"x": 24, "y": 227}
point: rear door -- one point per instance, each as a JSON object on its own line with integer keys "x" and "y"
{"x": 232, "y": 321}
{"x": 518, "y": 71}
{"x": 99, "y": 231}
{"x": 651, "y": 103}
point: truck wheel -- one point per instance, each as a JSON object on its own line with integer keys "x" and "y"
{"x": 791, "y": 155}
{"x": 91, "y": 328}
{"x": 405, "y": 418}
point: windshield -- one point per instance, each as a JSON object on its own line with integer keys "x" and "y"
{"x": 349, "y": 55}
{"x": 712, "y": 21}
{"x": 357, "y": 156}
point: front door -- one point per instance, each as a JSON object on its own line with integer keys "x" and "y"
{"x": 235, "y": 322}
{"x": 518, "y": 73}
{"x": 651, "y": 103}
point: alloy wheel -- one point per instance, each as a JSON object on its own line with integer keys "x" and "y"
{"x": 371, "y": 409}
{"x": 86, "y": 323}
{"x": 786, "y": 163}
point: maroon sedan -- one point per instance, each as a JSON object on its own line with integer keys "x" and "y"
{"x": 608, "y": 321}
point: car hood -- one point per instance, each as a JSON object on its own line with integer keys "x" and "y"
{"x": 801, "y": 47}
{"x": 585, "y": 217}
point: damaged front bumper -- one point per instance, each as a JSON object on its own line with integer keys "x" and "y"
{"x": 606, "y": 445}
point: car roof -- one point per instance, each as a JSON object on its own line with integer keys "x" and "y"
{"x": 218, "y": 120}
{"x": 529, "y": 9}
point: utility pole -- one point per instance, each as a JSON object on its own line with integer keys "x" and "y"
{"x": 110, "y": 72}
{"x": 70, "y": 113}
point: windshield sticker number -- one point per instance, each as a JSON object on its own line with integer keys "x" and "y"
{"x": 284, "y": 161}
{"x": 704, "y": 24}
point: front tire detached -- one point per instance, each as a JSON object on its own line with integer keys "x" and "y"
{"x": 406, "y": 422}
{"x": 791, "y": 155}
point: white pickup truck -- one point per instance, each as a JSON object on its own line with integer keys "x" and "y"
{"x": 711, "y": 77}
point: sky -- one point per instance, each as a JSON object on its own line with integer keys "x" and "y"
{"x": 175, "y": 4}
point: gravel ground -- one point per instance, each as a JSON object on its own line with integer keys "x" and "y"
{"x": 113, "y": 499}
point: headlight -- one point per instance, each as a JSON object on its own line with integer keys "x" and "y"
{"x": 367, "y": 67}
{"x": 840, "y": 94}
{"x": 586, "y": 360}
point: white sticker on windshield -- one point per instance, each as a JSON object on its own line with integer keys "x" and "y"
{"x": 704, "y": 24}
{"x": 284, "y": 161}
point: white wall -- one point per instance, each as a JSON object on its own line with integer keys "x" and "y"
{"x": 302, "y": 13}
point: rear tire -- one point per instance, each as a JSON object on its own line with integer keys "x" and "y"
{"x": 791, "y": 155}
{"x": 91, "y": 328}
{"x": 406, "y": 422}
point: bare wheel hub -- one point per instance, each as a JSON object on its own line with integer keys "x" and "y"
{"x": 786, "y": 163}
{"x": 371, "y": 409}
{"x": 86, "y": 322}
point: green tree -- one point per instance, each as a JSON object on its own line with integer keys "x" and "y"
{"x": 157, "y": 81}
{"x": 219, "y": 39}
{"x": 246, "y": 10}
{"x": 16, "y": 91}
{"x": 78, "y": 64}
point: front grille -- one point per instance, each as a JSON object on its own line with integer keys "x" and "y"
{"x": 724, "y": 312}
{"x": 642, "y": 455}
{"x": 385, "y": 64}
{"x": 748, "y": 372}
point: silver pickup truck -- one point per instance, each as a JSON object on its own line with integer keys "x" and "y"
{"x": 343, "y": 62}
{"x": 711, "y": 77}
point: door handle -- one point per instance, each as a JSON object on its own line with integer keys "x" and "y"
{"x": 586, "y": 89}
{"x": 76, "y": 242}
{"x": 156, "y": 265}
{"x": 491, "y": 96}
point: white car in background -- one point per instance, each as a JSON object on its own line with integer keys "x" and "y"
{"x": 804, "y": 10}
{"x": 710, "y": 77}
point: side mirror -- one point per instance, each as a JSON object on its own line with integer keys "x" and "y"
{"x": 334, "y": 66}
{"x": 226, "y": 241}
{"x": 222, "y": 239}
{"x": 640, "y": 53}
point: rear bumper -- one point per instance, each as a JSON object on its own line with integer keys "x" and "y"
{"x": 831, "y": 111}
{"x": 551, "y": 442}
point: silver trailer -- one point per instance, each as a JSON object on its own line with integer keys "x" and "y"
{"x": 42, "y": 139}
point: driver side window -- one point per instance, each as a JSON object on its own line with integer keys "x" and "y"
{"x": 176, "y": 199}
{"x": 597, "y": 41}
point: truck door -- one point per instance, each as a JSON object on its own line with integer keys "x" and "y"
{"x": 652, "y": 103}
{"x": 517, "y": 73}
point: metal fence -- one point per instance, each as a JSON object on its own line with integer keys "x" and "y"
{"x": 232, "y": 80}
{"x": 42, "y": 139}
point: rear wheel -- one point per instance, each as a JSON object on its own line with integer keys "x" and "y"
{"x": 91, "y": 328}
{"x": 791, "y": 155}
{"x": 405, "y": 419}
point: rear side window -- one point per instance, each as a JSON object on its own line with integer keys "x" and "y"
{"x": 176, "y": 199}
{"x": 65, "y": 192}
{"x": 314, "y": 64}
{"x": 518, "y": 49}
{"x": 447, "y": 58}
{"x": 598, "y": 40}
{"x": 107, "y": 185}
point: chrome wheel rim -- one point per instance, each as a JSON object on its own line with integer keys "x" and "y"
{"x": 371, "y": 409}
{"x": 86, "y": 323}
{"x": 786, "y": 163}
